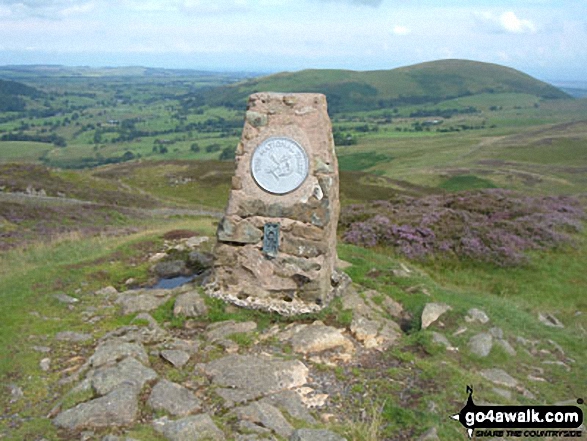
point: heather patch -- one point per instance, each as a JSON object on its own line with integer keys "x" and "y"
{"x": 496, "y": 226}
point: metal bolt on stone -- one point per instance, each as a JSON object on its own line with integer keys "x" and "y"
{"x": 276, "y": 244}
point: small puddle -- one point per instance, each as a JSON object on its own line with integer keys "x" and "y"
{"x": 174, "y": 282}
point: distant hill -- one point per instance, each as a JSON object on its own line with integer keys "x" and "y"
{"x": 12, "y": 93}
{"x": 421, "y": 83}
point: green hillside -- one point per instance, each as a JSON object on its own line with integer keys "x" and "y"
{"x": 421, "y": 83}
{"x": 12, "y": 93}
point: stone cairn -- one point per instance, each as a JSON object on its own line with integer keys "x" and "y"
{"x": 276, "y": 246}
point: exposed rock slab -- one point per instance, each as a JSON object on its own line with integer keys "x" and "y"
{"x": 290, "y": 402}
{"x": 190, "y": 304}
{"x": 128, "y": 372}
{"x": 315, "y": 435}
{"x": 118, "y": 408}
{"x": 192, "y": 428}
{"x": 246, "y": 377}
{"x": 432, "y": 312}
{"x": 499, "y": 377}
{"x": 265, "y": 415}
{"x": 221, "y": 330}
{"x": 318, "y": 337}
{"x": 173, "y": 398}
{"x": 378, "y": 334}
{"x": 142, "y": 300}
{"x": 115, "y": 350}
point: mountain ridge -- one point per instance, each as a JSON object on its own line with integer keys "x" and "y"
{"x": 428, "y": 82}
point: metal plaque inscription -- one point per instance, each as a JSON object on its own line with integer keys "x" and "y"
{"x": 271, "y": 239}
{"x": 279, "y": 165}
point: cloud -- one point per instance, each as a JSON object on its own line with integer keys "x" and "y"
{"x": 371, "y": 3}
{"x": 44, "y": 8}
{"x": 401, "y": 30}
{"x": 507, "y": 22}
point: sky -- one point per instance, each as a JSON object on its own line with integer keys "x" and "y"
{"x": 544, "y": 38}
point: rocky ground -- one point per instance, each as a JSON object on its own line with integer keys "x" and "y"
{"x": 190, "y": 375}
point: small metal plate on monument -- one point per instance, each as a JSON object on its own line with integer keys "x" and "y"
{"x": 279, "y": 165}
{"x": 271, "y": 239}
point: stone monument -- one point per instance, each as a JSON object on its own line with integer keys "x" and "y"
{"x": 276, "y": 246}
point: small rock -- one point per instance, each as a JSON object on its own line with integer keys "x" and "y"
{"x": 476, "y": 315}
{"x": 460, "y": 331}
{"x": 176, "y": 357}
{"x": 118, "y": 408}
{"x": 107, "y": 291}
{"x": 196, "y": 241}
{"x": 315, "y": 435}
{"x": 74, "y": 337}
{"x": 142, "y": 300}
{"x": 507, "y": 347}
{"x": 170, "y": 269}
{"x": 429, "y": 435}
{"x": 115, "y": 350}
{"x": 265, "y": 415}
{"x": 318, "y": 337}
{"x": 45, "y": 364}
{"x": 440, "y": 339}
{"x": 558, "y": 363}
{"x": 431, "y": 313}
{"x": 221, "y": 330}
{"x": 550, "y": 320}
{"x": 43, "y": 349}
{"x": 400, "y": 273}
{"x": 192, "y": 428}
{"x": 199, "y": 260}
{"x": 496, "y": 332}
{"x": 503, "y": 393}
{"x": 557, "y": 347}
{"x": 16, "y": 393}
{"x": 190, "y": 304}
{"x": 157, "y": 257}
{"x": 290, "y": 402}
{"x": 499, "y": 377}
{"x": 173, "y": 398}
{"x": 379, "y": 334}
{"x": 481, "y": 344}
{"x": 64, "y": 298}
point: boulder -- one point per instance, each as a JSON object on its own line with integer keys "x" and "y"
{"x": 481, "y": 344}
{"x": 118, "y": 408}
{"x": 176, "y": 357}
{"x": 432, "y": 312}
{"x": 173, "y": 398}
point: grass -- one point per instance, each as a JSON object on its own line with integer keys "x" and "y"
{"x": 466, "y": 182}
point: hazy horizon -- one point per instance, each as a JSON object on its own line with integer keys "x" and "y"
{"x": 543, "y": 38}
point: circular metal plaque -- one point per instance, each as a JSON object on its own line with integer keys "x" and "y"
{"x": 279, "y": 165}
